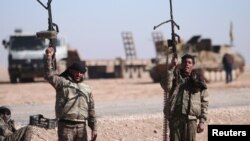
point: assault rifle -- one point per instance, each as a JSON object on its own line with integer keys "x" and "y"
{"x": 51, "y": 33}
{"x": 171, "y": 43}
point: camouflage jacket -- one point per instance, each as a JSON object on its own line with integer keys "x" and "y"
{"x": 6, "y": 129}
{"x": 188, "y": 95}
{"x": 74, "y": 101}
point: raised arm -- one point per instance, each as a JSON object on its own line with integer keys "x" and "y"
{"x": 49, "y": 72}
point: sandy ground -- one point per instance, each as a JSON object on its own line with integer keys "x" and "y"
{"x": 127, "y": 109}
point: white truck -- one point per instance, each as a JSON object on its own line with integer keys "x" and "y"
{"x": 25, "y": 56}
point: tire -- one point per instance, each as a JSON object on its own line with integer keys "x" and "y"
{"x": 13, "y": 79}
{"x": 26, "y": 80}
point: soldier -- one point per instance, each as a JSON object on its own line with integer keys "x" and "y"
{"x": 74, "y": 101}
{"x": 8, "y": 132}
{"x": 228, "y": 61}
{"x": 188, "y": 100}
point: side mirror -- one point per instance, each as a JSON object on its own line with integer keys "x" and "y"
{"x": 4, "y": 43}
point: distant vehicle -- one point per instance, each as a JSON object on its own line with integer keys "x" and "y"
{"x": 25, "y": 56}
{"x": 208, "y": 58}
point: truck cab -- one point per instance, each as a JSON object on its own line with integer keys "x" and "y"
{"x": 25, "y": 55}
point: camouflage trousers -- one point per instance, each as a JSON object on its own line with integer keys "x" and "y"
{"x": 182, "y": 129}
{"x": 19, "y": 135}
{"x": 68, "y": 131}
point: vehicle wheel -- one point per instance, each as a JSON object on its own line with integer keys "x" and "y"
{"x": 13, "y": 79}
{"x": 25, "y": 80}
{"x": 156, "y": 78}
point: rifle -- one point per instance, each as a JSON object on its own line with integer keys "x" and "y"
{"x": 171, "y": 43}
{"x": 51, "y": 33}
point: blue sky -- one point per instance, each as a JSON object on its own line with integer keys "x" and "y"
{"x": 94, "y": 27}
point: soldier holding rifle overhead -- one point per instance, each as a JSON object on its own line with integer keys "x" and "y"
{"x": 188, "y": 98}
{"x": 74, "y": 100}
{"x": 185, "y": 93}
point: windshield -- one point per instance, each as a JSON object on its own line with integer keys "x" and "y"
{"x": 26, "y": 43}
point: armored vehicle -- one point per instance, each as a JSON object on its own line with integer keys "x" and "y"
{"x": 208, "y": 58}
{"x": 25, "y": 56}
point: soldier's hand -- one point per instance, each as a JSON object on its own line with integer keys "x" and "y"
{"x": 200, "y": 127}
{"x": 49, "y": 52}
{"x": 174, "y": 62}
{"x": 93, "y": 135}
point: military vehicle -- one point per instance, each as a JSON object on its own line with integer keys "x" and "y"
{"x": 116, "y": 68}
{"x": 25, "y": 56}
{"x": 158, "y": 64}
{"x": 130, "y": 67}
{"x": 208, "y": 58}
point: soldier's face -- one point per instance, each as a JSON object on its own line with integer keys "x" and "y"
{"x": 187, "y": 65}
{"x": 77, "y": 75}
{"x": 5, "y": 116}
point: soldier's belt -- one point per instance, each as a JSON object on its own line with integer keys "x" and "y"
{"x": 71, "y": 122}
{"x": 189, "y": 117}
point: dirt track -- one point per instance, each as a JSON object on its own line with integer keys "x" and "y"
{"x": 127, "y": 109}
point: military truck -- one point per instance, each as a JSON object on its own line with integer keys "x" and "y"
{"x": 208, "y": 58}
{"x": 25, "y": 56}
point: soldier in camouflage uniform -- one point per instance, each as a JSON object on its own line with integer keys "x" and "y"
{"x": 74, "y": 101}
{"x": 188, "y": 100}
{"x": 8, "y": 132}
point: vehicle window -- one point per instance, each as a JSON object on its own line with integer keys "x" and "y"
{"x": 26, "y": 43}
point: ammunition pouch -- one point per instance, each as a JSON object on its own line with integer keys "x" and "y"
{"x": 40, "y": 121}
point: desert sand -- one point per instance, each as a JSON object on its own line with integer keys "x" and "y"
{"x": 127, "y": 109}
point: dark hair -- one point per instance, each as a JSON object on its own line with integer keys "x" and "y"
{"x": 78, "y": 66}
{"x": 184, "y": 57}
{"x": 4, "y": 110}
